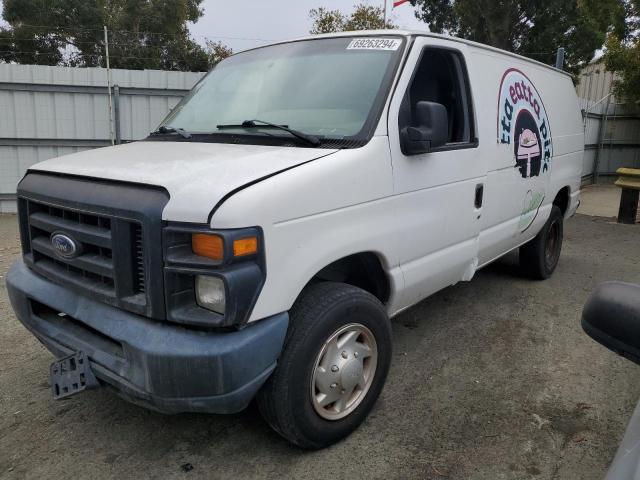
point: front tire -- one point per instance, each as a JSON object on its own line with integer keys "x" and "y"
{"x": 539, "y": 257}
{"x": 333, "y": 366}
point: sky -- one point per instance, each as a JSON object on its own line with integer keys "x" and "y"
{"x": 250, "y": 23}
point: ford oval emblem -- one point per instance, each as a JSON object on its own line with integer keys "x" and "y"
{"x": 64, "y": 245}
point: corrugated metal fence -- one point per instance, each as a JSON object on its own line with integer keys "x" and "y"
{"x": 46, "y": 112}
{"x": 612, "y": 129}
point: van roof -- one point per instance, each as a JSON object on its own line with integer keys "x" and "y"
{"x": 418, "y": 33}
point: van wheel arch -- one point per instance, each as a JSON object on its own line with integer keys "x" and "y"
{"x": 561, "y": 200}
{"x": 363, "y": 270}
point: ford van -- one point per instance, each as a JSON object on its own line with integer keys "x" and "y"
{"x": 257, "y": 243}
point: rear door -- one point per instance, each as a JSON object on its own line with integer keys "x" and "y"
{"x": 439, "y": 194}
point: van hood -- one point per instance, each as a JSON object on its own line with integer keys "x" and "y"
{"x": 196, "y": 175}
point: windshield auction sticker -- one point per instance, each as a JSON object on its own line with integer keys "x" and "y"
{"x": 374, "y": 44}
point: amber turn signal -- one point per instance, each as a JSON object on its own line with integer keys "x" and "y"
{"x": 207, "y": 245}
{"x": 245, "y": 246}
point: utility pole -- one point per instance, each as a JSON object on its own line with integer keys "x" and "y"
{"x": 560, "y": 58}
{"x": 106, "y": 52}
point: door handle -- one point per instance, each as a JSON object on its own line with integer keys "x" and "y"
{"x": 479, "y": 194}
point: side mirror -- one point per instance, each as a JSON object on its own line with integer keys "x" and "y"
{"x": 431, "y": 129}
{"x": 611, "y": 317}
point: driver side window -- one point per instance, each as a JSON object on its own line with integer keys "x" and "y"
{"x": 441, "y": 77}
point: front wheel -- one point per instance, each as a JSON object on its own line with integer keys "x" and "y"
{"x": 539, "y": 257}
{"x": 332, "y": 368}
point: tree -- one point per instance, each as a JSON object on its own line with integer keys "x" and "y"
{"x": 531, "y": 28}
{"x": 622, "y": 56}
{"x": 143, "y": 34}
{"x": 364, "y": 17}
{"x": 217, "y": 51}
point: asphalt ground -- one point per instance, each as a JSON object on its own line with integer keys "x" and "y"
{"x": 491, "y": 379}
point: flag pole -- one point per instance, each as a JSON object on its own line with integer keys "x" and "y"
{"x": 384, "y": 25}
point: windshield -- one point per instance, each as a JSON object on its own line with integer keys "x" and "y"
{"x": 333, "y": 89}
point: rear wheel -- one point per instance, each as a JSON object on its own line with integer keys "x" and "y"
{"x": 332, "y": 368}
{"x": 539, "y": 257}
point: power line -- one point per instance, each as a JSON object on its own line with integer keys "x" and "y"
{"x": 55, "y": 29}
{"x": 131, "y": 43}
{"x": 91, "y": 55}
{"x": 536, "y": 53}
{"x": 69, "y": 42}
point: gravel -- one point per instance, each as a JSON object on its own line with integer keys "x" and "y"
{"x": 491, "y": 379}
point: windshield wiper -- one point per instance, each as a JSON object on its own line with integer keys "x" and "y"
{"x": 163, "y": 129}
{"x": 311, "y": 139}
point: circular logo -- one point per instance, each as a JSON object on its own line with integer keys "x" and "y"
{"x": 64, "y": 245}
{"x": 523, "y": 123}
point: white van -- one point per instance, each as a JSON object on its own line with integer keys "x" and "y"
{"x": 302, "y": 194}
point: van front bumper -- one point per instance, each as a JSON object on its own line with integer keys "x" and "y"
{"x": 159, "y": 365}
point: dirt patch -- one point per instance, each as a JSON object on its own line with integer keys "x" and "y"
{"x": 490, "y": 379}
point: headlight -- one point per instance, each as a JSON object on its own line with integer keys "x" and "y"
{"x": 210, "y": 293}
{"x": 213, "y": 277}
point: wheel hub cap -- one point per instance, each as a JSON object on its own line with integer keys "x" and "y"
{"x": 351, "y": 374}
{"x": 344, "y": 371}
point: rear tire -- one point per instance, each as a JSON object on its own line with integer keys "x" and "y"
{"x": 338, "y": 346}
{"x": 539, "y": 257}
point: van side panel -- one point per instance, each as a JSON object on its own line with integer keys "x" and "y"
{"x": 518, "y": 201}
